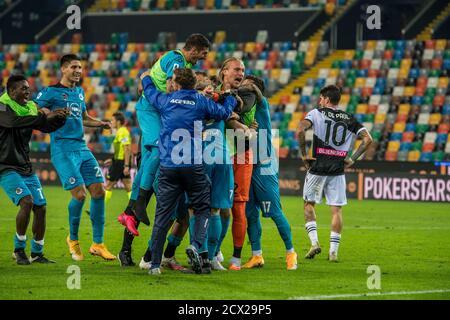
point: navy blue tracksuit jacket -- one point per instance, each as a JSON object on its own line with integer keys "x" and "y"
{"x": 181, "y": 169}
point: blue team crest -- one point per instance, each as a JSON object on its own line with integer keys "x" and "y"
{"x": 81, "y": 96}
{"x": 65, "y": 96}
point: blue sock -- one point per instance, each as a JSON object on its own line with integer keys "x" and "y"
{"x": 284, "y": 229}
{"x": 174, "y": 240}
{"x": 215, "y": 227}
{"x": 191, "y": 228}
{"x": 20, "y": 243}
{"x": 75, "y": 208}
{"x": 98, "y": 219}
{"x": 37, "y": 246}
{"x": 254, "y": 230}
{"x": 223, "y": 232}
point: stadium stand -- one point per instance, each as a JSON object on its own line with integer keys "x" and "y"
{"x": 111, "y": 70}
{"x": 145, "y": 5}
{"x": 398, "y": 89}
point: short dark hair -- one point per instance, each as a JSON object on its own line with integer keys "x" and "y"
{"x": 185, "y": 78}
{"x": 332, "y": 92}
{"x": 257, "y": 81}
{"x": 119, "y": 117}
{"x": 13, "y": 80}
{"x": 68, "y": 58}
{"x": 197, "y": 41}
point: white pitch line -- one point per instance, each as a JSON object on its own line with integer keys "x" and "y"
{"x": 368, "y": 294}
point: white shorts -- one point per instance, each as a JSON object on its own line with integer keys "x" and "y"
{"x": 334, "y": 188}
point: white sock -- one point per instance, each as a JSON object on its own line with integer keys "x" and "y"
{"x": 335, "y": 238}
{"x": 21, "y": 238}
{"x": 235, "y": 261}
{"x": 311, "y": 228}
{"x": 257, "y": 253}
{"x": 290, "y": 250}
{"x": 40, "y": 242}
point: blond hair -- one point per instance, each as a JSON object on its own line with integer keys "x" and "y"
{"x": 224, "y": 65}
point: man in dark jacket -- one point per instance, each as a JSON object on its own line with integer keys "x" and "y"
{"x": 18, "y": 117}
{"x": 181, "y": 165}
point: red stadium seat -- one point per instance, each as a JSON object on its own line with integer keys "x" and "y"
{"x": 429, "y": 44}
{"x": 101, "y": 56}
{"x": 421, "y": 82}
{"x": 284, "y": 100}
{"x": 436, "y": 64}
{"x": 120, "y": 82}
{"x": 408, "y": 136}
{"x": 438, "y": 101}
{"x": 372, "y": 109}
{"x": 444, "y": 128}
{"x": 140, "y": 47}
{"x": 402, "y": 117}
{"x": 373, "y": 73}
{"x": 387, "y": 55}
{"x": 283, "y": 152}
{"x": 259, "y": 47}
{"x": 366, "y": 92}
{"x": 391, "y": 155}
{"x": 100, "y": 47}
{"x": 428, "y": 147}
{"x": 364, "y": 64}
{"x": 110, "y": 97}
{"x": 419, "y": 91}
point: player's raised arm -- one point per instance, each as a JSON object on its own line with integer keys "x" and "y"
{"x": 153, "y": 95}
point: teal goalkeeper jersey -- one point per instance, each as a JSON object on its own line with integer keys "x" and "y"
{"x": 69, "y": 137}
{"x": 262, "y": 116}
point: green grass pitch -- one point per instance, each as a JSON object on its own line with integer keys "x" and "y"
{"x": 409, "y": 241}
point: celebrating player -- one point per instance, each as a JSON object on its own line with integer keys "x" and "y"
{"x": 264, "y": 189}
{"x": 76, "y": 166}
{"x": 231, "y": 75}
{"x": 196, "y": 48}
{"x": 179, "y": 111}
{"x": 333, "y": 133}
{"x": 18, "y": 117}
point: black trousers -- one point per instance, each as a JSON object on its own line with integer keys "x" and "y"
{"x": 172, "y": 182}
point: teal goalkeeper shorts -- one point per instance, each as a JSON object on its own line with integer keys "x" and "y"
{"x": 264, "y": 194}
{"x": 18, "y": 186}
{"x": 76, "y": 168}
{"x": 222, "y": 185}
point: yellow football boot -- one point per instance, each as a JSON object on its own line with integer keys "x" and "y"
{"x": 99, "y": 249}
{"x": 291, "y": 261}
{"x": 74, "y": 248}
{"x": 254, "y": 262}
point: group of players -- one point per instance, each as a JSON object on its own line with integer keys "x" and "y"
{"x": 201, "y": 198}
